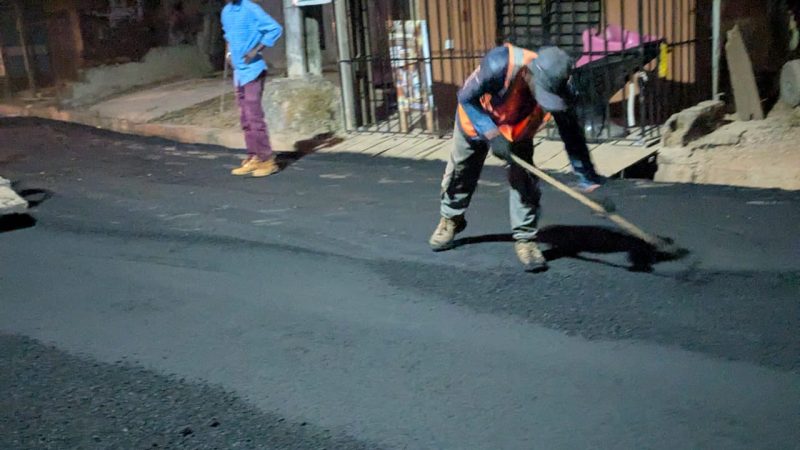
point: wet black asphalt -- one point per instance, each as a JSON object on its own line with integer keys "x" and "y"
{"x": 355, "y": 228}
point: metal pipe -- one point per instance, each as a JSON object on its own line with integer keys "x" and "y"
{"x": 716, "y": 18}
{"x": 345, "y": 64}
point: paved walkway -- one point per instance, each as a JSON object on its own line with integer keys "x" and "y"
{"x": 149, "y": 104}
{"x": 610, "y": 158}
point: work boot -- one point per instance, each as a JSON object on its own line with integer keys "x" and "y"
{"x": 530, "y": 256}
{"x": 247, "y": 167}
{"x": 265, "y": 168}
{"x": 442, "y": 237}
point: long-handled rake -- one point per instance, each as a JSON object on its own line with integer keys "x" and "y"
{"x": 659, "y": 245}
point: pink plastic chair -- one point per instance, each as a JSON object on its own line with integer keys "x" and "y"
{"x": 615, "y": 39}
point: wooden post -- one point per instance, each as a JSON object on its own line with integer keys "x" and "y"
{"x": 313, "y": 50}
{"x": 24, "y": 45}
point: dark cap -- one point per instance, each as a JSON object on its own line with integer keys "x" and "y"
{"x": 551, "y": 71}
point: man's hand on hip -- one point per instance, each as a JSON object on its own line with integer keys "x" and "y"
{"x": 252, "y": 54}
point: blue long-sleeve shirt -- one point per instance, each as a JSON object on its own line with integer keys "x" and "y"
{"x": 489, "y": 78}
{"x": 246, "y": 25}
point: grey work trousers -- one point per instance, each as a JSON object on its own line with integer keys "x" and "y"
{"x": 461, "y": 178}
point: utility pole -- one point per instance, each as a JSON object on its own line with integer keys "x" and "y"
{"x": 295, "y": 47}
{"x": 716, "y": 46}
{"x": 345, "y": 63}
{"x": 24, "y": 45}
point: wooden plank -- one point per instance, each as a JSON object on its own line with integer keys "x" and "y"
{"x": 413, "y": 149}
{"x": 745, "y": 91}
{"x": 376, "y": 143}
{"x": 612, "y": 159}
{"x": 558, "y": 163}
{"x": 378, "y": 147}
{"x": 443, "y": 144}
{"x": 544, "y": 151}
{"x": 441, "y": 154}
{"x": 358, "y": 143}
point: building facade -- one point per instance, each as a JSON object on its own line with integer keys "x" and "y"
{"x": 641, "y": 60}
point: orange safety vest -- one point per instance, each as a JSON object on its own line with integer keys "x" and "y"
{"x": 502, "y": 108}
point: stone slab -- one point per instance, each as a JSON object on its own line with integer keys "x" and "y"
{"x": 10, "y": 201}
{"x": 611, "y": 159}
{"x": 745, "y": 90}
{"x": 790, "y": 83}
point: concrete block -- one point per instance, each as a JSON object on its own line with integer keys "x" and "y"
{"x": 790, "y": 83}
{"x": 692, "y": 123}
{"x": 302, "y": 106}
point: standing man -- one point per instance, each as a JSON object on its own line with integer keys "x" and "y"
{"x": 248, "y": 29}
{"x": 500, "y": 107}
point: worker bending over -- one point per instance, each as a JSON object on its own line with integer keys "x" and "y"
{"x": 501, "y": 106}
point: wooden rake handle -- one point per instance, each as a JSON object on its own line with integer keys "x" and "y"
{"x": 594, "y": 206}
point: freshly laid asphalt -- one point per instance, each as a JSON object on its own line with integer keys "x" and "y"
{"x": 152, "y": 300}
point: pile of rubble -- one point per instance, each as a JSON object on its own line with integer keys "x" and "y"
{"x": 704, "y": 145}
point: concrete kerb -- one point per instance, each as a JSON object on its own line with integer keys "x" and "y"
{"x": 675, "y": 165}
{"x": 187, "y": 134}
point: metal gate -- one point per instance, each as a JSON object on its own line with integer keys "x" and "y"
{"x": 638, "y": 61}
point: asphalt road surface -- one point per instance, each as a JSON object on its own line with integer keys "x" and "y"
{"x": 151, "y": 300}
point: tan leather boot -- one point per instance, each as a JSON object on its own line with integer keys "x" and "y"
{"x": 442, "y": 237}
{"x": 266, "y": 168}
{"x": 530, "y": 256}
{"x": 247, "y": 167}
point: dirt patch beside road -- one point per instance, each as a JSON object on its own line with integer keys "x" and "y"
{"x": 760, "y": 153}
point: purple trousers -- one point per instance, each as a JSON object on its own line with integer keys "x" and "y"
{"x": 256, "y": 136}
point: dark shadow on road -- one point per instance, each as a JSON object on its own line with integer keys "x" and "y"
{"x": 572, "y": 241}
{"x": 35, "y": 197}
{"x": 12, "y": 222}
{"x": 486, "y": 238}
{"x": 307, "y": 147}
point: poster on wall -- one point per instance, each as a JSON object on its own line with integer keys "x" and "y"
{"x": 410, "y": 52}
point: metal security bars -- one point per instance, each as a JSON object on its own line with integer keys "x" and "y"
{"x": 638, "y": 61}
{"x": 410, "y": 57}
